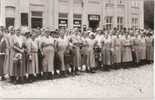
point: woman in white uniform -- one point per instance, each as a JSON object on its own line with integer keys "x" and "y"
{"x": 33, "y": 57}
{"x": 117, "y": 51}
{"x": 75, "y": 41}
{"x": 149, "y": 48}
{"x": 62, "y": 47}
{"x": 48, "y": 53}
{"x": 127, "y": 51}
{"x": 106, "y": 52}
{"x": 143, "y": 49}
{"x": 91, "y": 56}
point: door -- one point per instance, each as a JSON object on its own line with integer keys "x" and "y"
{"x": 93, "y": 25}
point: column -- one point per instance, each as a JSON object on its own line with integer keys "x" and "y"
{"x": 84, "y": 14}
{"x": 2, "y": 12}
{"x": 141, "y": 14}
{"x": 50, "y": 14}
{"x": 102, "y": 14}
{"x": 29, "y": 15}
{"x": 129, "y": 16}
{"x": 17, "y": 14}
{"x": 56, "y": 13}
{"x": 115, "y": 14}
{"x": 126, "y": 15}
{"x": 70, "y": 15}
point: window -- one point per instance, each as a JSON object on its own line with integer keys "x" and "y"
{"x": 10, "y": 16}
{"x": 109, "y": 3}
{"x": 120, "y": 22}
{"x": 134, "y": 22}
{"x": 109, "y": 21}
{"x": 36, "y": 19}
{"x": 24, "y": 19}
{"x": 77, "y": 21}
{"x": 10, "y": 21}
{"x": 37, "y": 14}
{"x": 135, "y": 4}
{"x": 63, "y": 20}
{"x": 63, "y": 15}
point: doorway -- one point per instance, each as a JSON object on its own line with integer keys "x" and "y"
{"x": 93, "y": 24}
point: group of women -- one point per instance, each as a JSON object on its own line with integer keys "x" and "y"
{"x": 41, "y": 54}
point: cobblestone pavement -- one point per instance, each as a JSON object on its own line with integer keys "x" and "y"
{"x": 122, "y": 83}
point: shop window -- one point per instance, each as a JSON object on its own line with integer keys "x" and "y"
{"x": 63, "y": 20}
{"x": 36, "y": 19}
{"x": 77, "y": 21}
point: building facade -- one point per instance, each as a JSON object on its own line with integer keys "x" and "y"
{"x": 72, "y": 13}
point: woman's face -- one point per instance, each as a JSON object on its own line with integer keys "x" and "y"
{"x": 33, "y": 36}
{"x": 18, "y": 33}
{"x": 12, "y": 32}
{"x": 91, "y": 36}
{"x": 99, "y": 32}
{"x": 106, "y": 36}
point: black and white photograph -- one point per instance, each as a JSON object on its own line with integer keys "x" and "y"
{"x": 77, "y": 49}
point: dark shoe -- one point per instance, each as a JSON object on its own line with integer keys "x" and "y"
{"x": 12, "y": 78}
{"x": 3, "y": 78}
{"x": 30, "y": 79}
{"x": 15, "y": 82}
{"x": 92, "y": 71}
{"x": 51, "y": 77}
{"x": 63, "y": 74}
{"x": 77, "y": 73}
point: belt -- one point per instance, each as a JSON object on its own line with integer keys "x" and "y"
{"x": 45, "y": 46}
{"x": 34, "y": 51}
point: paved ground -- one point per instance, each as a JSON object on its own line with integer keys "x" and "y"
{"x": 133, "y": 83}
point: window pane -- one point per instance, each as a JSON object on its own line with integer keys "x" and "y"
{"x": 36, "y": 22}
{"x": 77, "y": 16}
{"x": 24, "y": 19}
{"x": 10, "y": 11}
{"x": 10, "y": 21}
{"x": 36, "y": 13}
{"x": 63, "y": 15}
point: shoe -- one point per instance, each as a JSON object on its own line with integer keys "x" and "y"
{"x": 3, "y": 78}
{"x": 92, "y": 71}
{"x": 77, "y": 73}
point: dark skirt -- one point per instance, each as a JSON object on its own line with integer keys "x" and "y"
{"x": 68, "y": 58}
{"x": 40, "y": 59}
{"x": 19, "y": 66}
{"x": 57, "y": 62}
